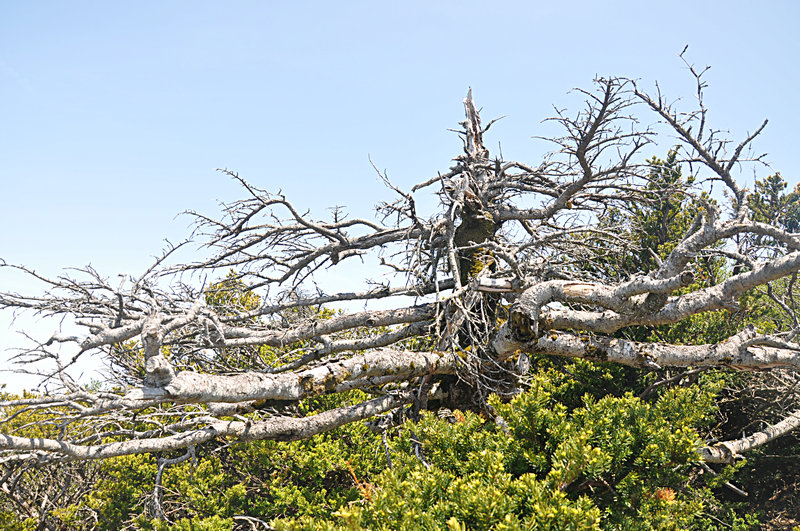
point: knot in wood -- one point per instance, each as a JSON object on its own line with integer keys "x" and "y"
{"x": 523, "y": 329}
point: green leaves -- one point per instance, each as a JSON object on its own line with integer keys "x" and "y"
{"x": 616, "y": 462}
{"x": 770, "y": 204}
{"x": 581, "y": 463}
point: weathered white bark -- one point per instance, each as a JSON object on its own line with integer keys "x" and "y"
{"x": 276, "y": 428}
{"x": 741, "y": 351}
{"x": 157, "y": 369}
{"x": 387, "y": 364}
{"x": 312, "y": 328}
{"x": 619, "y": 306}
{"x": 728, "y": 451}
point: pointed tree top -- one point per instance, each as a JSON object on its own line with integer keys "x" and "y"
{"x": 473, "y": 145}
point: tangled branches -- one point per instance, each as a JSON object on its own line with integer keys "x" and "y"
{"x": 519, "y": 260}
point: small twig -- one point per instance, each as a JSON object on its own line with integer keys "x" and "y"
{"x": 158, "y": 489}
{"x": 417, "y": 446}
{"x": 650, "y": 388}
{"x": 728, "y": 484}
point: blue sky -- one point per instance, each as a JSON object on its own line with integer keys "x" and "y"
{"x": 115, "y": 115}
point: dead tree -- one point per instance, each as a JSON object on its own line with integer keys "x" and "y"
{"x": 497, "y": 273}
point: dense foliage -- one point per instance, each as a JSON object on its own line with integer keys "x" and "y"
{"x": 565, "y": 460}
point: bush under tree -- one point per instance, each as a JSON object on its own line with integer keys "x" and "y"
{"x": 568, "y": 345}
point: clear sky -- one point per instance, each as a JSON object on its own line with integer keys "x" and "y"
{"x": 115, "y": 115}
